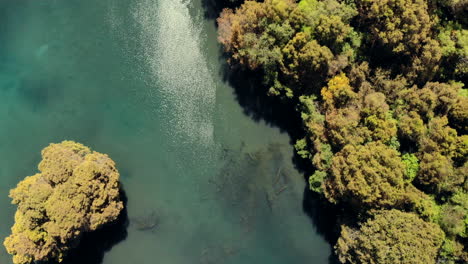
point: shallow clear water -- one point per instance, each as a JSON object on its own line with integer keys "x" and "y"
{"x": 141, "y": 81}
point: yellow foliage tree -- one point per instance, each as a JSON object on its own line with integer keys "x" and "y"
{"x": 338, "y": 92}
{"x": 76, "y": 191}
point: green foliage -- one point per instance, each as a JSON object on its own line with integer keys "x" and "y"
{"x": 424, "y": 205}
{"x": 309, "y": 12}
{"x": 76, "y": 191}
{"x": 316, "y": 181}
{"x": 315, "y": 146}
{"x": 452, "y": 251}
{"x": 463, "y": 93}
{"x": 310, "y": 115}
{"x": 460, "y": 198}
{"x": 390, "y": 237}
{"x": 323, "y": 157}
{"x": 454, "y": 40}
{"x": 301, "y": 148}
{"x": 412, "y": 166}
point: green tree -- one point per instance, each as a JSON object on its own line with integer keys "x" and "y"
{"x": 315, "y": 145}
{"x": 316, "y": 181}
{"x": 412, "y": 166}
{"x": 454, "y": 42}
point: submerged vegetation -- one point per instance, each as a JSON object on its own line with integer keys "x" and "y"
{"x": 76, "y": 191}
{"x": 380, "y": 89}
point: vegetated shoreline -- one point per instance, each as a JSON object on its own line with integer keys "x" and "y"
{"x": 385, "y": 128}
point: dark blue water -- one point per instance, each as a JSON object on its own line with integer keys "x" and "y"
{"x": 140, "y": 80}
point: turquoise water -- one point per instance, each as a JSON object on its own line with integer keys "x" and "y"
{"x": 141, "y": 81}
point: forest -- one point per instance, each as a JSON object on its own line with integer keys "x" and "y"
{"x": 380, "y": 88}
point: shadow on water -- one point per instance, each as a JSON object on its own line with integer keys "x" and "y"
{"x": 251, "y": 94}
{"x": 94, "y": 245}
{"x": 324, "y": 218}
{"x": 214, "y": 7}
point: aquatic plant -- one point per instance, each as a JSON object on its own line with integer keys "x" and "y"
{"x": 76, "y": 191}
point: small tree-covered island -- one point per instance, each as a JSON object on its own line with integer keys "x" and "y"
{"x": 76, "y": 191}
{"x": 379, "y": 86}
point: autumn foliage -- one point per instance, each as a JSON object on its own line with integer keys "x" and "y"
{"x": 380, "y": 88}
{"x": 390, "y": 237}
{"x": 75, "y": 191}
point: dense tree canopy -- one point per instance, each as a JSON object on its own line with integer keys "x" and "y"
{"x": 76, "y": 191}
{"x": 290, "y": 42}
{"x": 381, "y": 89}
{"x": 391, "y": 237}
